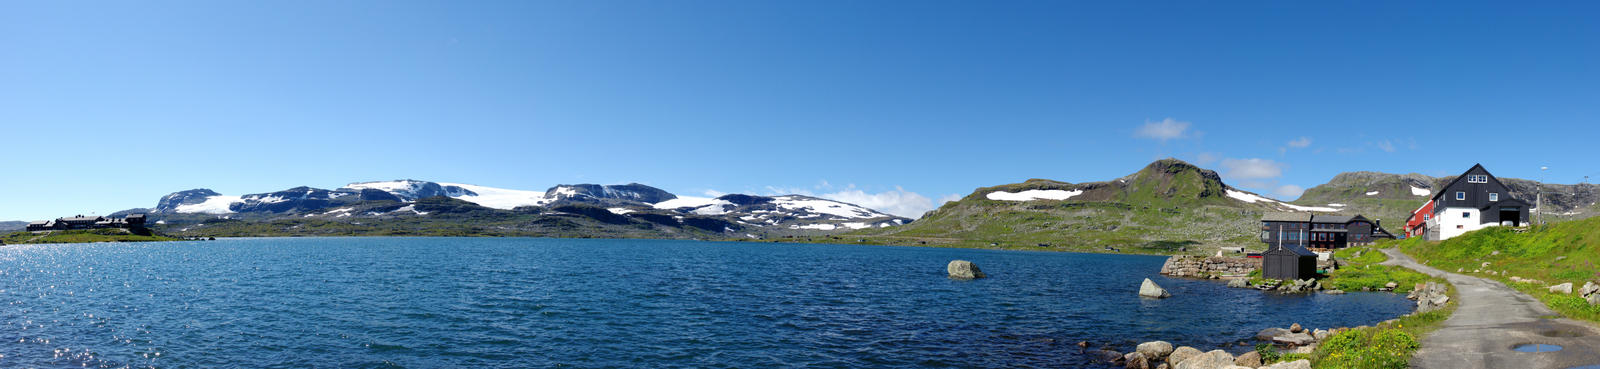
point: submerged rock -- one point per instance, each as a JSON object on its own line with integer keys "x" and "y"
{"x": 962, "y": 269}
{"x": 1150, "y": 289}
{"x": 1269, "y": 333}
{"x": 1239, "y": 283}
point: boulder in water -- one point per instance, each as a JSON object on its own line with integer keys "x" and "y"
{"x": 1269, "y": 333}
{"x": 1216, "y": 359}
{"x": 1181, "y": 354}
{"x": 962, "y": 269}
{"x": 1155, "y": 350}
{"x": 1150, "y": 289}
{"x": 1239, "y": 283}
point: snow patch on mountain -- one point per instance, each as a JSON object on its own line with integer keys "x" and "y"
{"x": 1372, "y": 193}
{"x": 1031, "y": 195}
{"x": 1419, "y": 191}
{"x": 829, "y": 207}
{"x": 499, "y": 198}
{"x": 1253, "y": 198}
{"x": 213, "y": 205}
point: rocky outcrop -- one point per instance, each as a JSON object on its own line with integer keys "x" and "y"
{"x": 1206, "y": 267}
{"x": 1182, "y": 353}
{"x": 962, "y": 269}
{"x": 1249, "y": 359}
{"x": 1590, "y": 292}
{"x": 1297, "y": 364}
{"x": 1155, "y": 350}
{"x": 1216, "y": 359}
{"x": 1564, "y": 288}
{"x": 1150, "y": 289}
{"x": 1430, "y": 296}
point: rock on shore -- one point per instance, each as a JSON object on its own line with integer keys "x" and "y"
{"x": 1430, "y": 296}
{"x": 962, "y": 269}
{"x": 1150, "y": 289}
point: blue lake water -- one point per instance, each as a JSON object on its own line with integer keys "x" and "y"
{"x": 518, "y": 303}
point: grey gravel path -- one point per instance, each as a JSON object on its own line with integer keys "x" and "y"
{"x": 1493, "y": 318}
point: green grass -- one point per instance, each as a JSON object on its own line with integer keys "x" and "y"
{"x": 1532, "y": 254}
{"x": 1363, "y": 271}
{"x": 80, "y": 236}
{"x": 1385, "y": 346}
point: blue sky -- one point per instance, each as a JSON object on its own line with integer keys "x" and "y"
{"x": 896, "y": 105}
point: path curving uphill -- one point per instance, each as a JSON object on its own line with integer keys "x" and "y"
{"x": 1493, "y": 318}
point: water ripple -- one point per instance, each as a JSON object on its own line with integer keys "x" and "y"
{"x": 517, "y": 303}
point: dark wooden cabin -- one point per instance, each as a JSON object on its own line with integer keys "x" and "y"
{"x": 1288, "y": 262}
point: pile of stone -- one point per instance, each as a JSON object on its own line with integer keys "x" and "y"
{"x": 1430, "y": 296}
{"x": 1161, "y": 355}
{"x": 1288, "y": 286}
{"x": 1590, "y": 291}
{"x": 1211, "y": 267}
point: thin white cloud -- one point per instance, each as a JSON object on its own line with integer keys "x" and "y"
{"x": 1300, "y": 143}
{"x": 1386, "y": 146}
{"x": 1252, "y": 168}
{"x": 1288, "y": 191}
{"x": 1164, "y": 130}
{"x": 1206, "y": 158}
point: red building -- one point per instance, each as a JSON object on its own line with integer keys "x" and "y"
{"x": 1417, "y": 224}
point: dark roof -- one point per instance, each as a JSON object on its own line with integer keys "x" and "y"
{"x": 131, "y": 216}
{"x": 1330, "y": 230}
{"x": 1331, "y": 219}
{"x": 1286, "y": 217}
{"x": 1507, "y": 201}
{"x": 1289, "y": 248}
{"x": 80, "y": 219}
{"x": 39, "y": 222}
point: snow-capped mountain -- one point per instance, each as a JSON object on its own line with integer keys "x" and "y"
{"x": 611, "y": 204}
{"x": 794, "y": 212}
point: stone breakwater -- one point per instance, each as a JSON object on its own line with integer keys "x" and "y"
{"x": 1209, "y": 266}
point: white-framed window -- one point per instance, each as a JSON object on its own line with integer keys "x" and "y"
{"x": 1478, "y": 178}
{"x": 1461, "y": 195}
{"x": 1494, "y": 196}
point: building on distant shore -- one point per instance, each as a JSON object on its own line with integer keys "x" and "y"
{"x": 1323, "y": 232}
{"x": 1288, "y": 262}
{"x": 90, "y": 222}
{"x": 1474, "y": 200}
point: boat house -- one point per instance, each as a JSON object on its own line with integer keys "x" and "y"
{"x": 1288, "y": 261}
{"x": 1472, "y": 201}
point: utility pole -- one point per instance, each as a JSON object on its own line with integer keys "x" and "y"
{"x": 1538, "y": 197}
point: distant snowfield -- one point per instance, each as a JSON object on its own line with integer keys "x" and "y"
{"x": 213, "y": 205}
{"x": 829, "y": 207}
{"x": 1031, "y": 195}
{"x": 500, "y": 198}
{"x": 1252, "y": 198}
{"x": 1419, "y": 191}
{"x": 1372, "y": 193}
{"x": 689, "y": 202}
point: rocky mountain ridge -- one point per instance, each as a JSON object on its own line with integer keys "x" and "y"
{"x": 581, "y": 205}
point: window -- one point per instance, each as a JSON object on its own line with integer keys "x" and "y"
{"x": 1466, "y": 214}
{"x": 1427, "y": 217}
{"x": 1461, "y": 195}
{"x": 1477, "y": 178}
{"x": 1494, "y": 196}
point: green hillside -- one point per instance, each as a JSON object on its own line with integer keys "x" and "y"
{"x": 1553, "y": 254}
{"x": 1168, "y": 205}
{"x": 80, "y": 236}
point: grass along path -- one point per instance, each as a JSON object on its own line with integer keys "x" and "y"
{"x": 1491, "y": 319}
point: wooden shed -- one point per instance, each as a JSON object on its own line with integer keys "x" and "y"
{"x": 1288, "y": 262}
